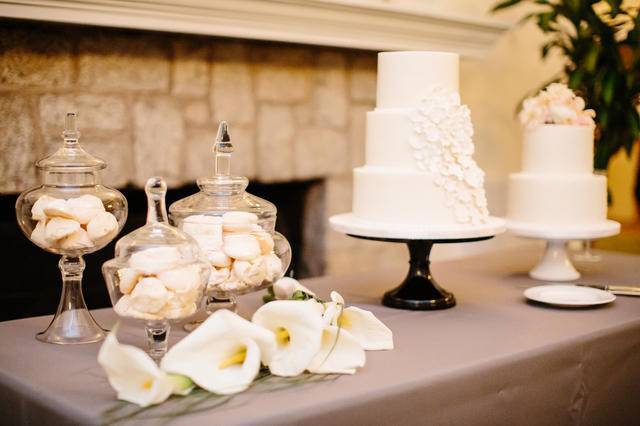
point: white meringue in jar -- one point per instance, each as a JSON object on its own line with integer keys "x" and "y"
{"x": 241, "y": 246}
{"x": 149, "y": 295}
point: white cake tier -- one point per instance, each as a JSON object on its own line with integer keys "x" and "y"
{"x": 388, "y": 135}
{"x": 555, "y": 148}
{"x": 398, "y": 196}
{"x": 557, "y": 199}
{"x": 405, "y": 78}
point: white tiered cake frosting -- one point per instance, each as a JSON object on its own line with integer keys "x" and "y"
{"x": 557, "y": 187}
{"x": 419, "y": 168}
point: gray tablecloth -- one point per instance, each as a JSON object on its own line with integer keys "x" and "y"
{"x": 493, "y": 359}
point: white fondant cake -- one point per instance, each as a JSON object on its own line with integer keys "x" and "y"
{"x": 557, "y": 186}
{"x": 419, "y": 168}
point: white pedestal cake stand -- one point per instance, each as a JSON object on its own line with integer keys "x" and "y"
{"x": 418, "y": 291}
{"x": 555, "y": 264}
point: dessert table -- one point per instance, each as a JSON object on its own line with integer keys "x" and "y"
{"x": 493, "y": 359}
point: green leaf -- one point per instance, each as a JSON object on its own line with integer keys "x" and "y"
{"x": 591, "y": 59}
{"x": 608, "y": 87}
{"x": 575, "y": 79}
{"x": 505, "y": 4}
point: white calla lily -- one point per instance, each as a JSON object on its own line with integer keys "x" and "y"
{"x": 340, "y": 353}
{"x": 223, "y": 354}
{"x": 133, "y": 374}
{"x": 285, "y": 287}
{"x": 297, "y": 326}
{"x": 363, "y": 325}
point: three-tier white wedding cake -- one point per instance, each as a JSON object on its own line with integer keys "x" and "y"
{"x": 419, "y": 168}
{"x": 557, "y": 186}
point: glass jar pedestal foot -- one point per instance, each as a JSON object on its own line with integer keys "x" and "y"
{"x": 72, "y": 322}
{"x": 586, "y": 254}
{"x": 213, "y": 304}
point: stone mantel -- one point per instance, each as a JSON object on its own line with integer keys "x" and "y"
{"x": 358, "y": 24}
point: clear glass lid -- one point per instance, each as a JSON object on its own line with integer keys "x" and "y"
{"x": 157, "y": 233}
{"x": 222, "y": 192}
{"x": 71, "y": 157}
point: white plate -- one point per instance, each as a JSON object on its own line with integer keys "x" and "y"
{"x": 568, "y": 295}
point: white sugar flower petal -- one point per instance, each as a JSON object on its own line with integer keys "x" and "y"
{"x": 368, "y": 330}
{"x": 223, "y": 354}
{"x": 133, "y": 374}
{"x": 285, "y": 287}
{"x": 340, "y": 353}
{"x": 298, "y": 329}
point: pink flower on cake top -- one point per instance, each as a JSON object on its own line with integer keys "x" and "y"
{"x": 556, "y": 104}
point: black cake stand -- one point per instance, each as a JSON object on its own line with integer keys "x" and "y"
{"x": 419, "y": 290}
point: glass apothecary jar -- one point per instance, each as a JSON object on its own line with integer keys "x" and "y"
{"x": 157, "y": 276}
{"x": 234, "y": 229}
{"x": 71, "y": 214}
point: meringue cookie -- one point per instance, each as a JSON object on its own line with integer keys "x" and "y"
{"x": 127, "y": 279}
{"x": 57, "y": 208}
{"x": 76, "y": 241}
{"x": 38, "y": 234}
{"x": 102, "y": 227}
{"x": 232, "y": 284}
{"x": 249, "y": 273}
{"x": 149, "y": 295}
{"x": 238, "y": 221}
{"x": 37, "y": 210}
{"x": 208, "y": 242}
{"x": 181, "y": 280}
{"x": 123, "y": 308}
{"x": 58, "y": 228}
{"x": 155, "y": 260}
{"x": 85, "y": 208}
{"x": 265, "y": 240}
{"x": 177, "y": 309}
{"x": 241, "y": 246}
{"x": 273, "y": 266}
{"x": 217, "y": 258}
{"x": 218, "y": 275}
{"x": 201, "y": 224}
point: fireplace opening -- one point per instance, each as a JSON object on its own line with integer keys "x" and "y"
{"x": 32, "y": 283}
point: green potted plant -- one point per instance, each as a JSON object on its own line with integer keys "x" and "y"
{"x": 601, "y": 42}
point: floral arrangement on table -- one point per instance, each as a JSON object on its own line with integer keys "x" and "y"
{"x": 294, "y": 334}
{"x": 556, "y": 104}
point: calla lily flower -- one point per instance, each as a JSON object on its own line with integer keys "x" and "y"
{"x": 133, "y": 374}
{"x": 286, "y": 287}
{"x": 340, "y": 353}
{"x": 223, "y": 354}
{"x": 363, "y": 325}
{"x": 298, "y": 327}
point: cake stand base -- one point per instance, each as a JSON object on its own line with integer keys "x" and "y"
{"x": 555, "y": 264}
{"x": 419, "y": 291}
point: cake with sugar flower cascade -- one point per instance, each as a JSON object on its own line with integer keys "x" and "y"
{"x": 419, "y": 168}
{"x": 557, "y": 186}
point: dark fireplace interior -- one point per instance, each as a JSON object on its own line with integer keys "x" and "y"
{"x": 31, "y": 286}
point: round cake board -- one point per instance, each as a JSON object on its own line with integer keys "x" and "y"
{"x": 555, "y": 264}
{"x": 348, "y": 223}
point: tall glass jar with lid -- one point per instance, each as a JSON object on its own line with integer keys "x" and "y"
{"x": 71, "y": 214}
{"x": 234, "y": 229}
